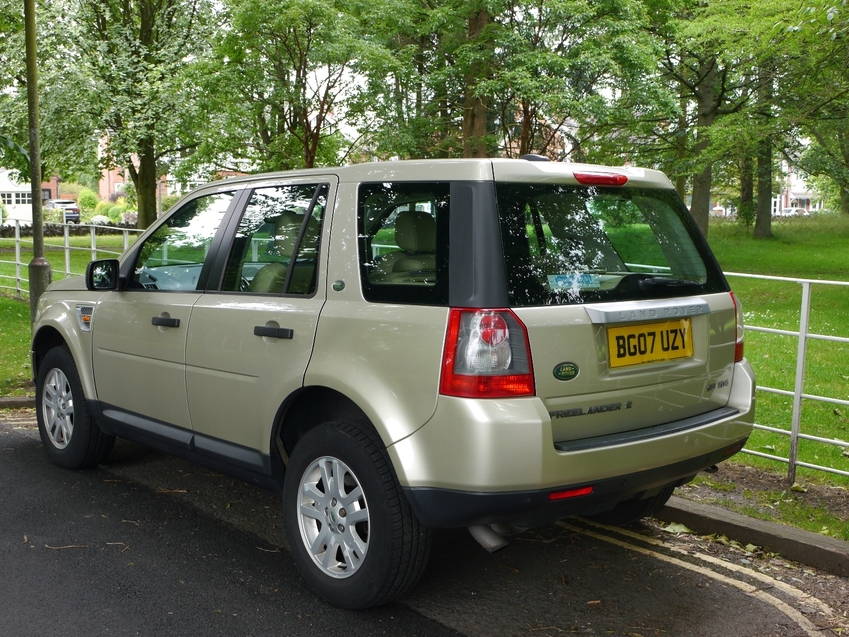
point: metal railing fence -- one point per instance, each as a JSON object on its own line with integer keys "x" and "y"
{"x": 803, "y": 335}
{"x": 19, "y": 281}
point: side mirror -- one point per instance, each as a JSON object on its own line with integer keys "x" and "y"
{"x": 102, "y": 275}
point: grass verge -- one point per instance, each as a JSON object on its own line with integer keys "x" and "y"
{"x": 812, "y": 248}
{"x": 15, "y": 371}
{"x": 818, "y": 507}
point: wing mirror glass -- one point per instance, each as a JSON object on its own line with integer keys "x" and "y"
{"x": 102, "y": 275}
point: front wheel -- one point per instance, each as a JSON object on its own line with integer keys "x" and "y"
{"x": 352, "y": 534}
{"x": 70, "y": 436}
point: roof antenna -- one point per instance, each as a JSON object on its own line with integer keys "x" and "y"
{"x": 534, "y": 157}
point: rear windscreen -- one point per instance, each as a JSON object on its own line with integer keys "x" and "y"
{"x": 575, "y": 244}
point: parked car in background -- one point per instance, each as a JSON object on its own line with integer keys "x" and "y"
{"x": 69, "y": 208}
{"x": 402, "y": 346}
{"x": 793, "y": 212}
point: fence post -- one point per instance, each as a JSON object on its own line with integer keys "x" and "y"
{"x": 804, "y": 317}
{"x": 91, "y": 230}
{"x": 67, "y": 233}
{"x": 18, "y": 258}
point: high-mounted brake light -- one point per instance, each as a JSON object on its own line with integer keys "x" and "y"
{"x": 601, "y": 179}
{"x": 487, "y": 355}
{"x": 738, "y": 332}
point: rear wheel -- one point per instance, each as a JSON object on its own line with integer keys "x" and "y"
{"x": 69, "y": 435}
{"x": 352, "y": 534}
{"x": 633, "y": 510}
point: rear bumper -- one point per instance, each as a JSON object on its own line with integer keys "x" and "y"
{"x": 439, "y": 508}
{"x": 484, "y": 461}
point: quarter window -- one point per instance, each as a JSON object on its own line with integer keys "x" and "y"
{"x": 404, "y": 242}
{"x": 277, "y": 242}
{"x": 173, "y": 256}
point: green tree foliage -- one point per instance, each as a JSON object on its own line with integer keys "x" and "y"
{"x": 563, "y": 72}
{"x": 716, "y": 93}
{"x": 138, "y": 57}
{"x": 68, "y": 141}
{"x": 87, "y": 201}
{"x": 278, "y": 84}
{"x": 500, "y": 77}
{"x": 822, "y": 107}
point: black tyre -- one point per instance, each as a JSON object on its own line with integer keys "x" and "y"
{"x": 69, "y": 435}
{"x": 633, "y": 510}
{"x": 352, "y": 534}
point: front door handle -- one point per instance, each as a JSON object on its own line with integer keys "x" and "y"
{"x": 163, "y": 321}
{"x": 273, "y": 332}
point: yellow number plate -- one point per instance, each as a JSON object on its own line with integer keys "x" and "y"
{"x": 649, "y": 342}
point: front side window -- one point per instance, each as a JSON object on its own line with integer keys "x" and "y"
{"x": 572, "y": 244}
{"x": 276, "y": 247}
{"x": 173, "y": 256}
{"x": 403, "y": 230}
{"x": 6, "y": 198}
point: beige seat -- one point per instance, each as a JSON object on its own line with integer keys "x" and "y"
{"x": 415, "y": 234}
{"x": 271, "y": 278}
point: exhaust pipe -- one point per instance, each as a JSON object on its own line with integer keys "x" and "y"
{"x": 487, "y": 538}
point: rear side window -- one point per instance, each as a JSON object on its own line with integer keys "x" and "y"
{"x": 275, "y": 250}
{"x": 403, "y": 229}
{"x": 574, "y": 244}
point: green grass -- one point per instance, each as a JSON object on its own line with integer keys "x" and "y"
{"x": 15, "y": 372}
{"x": 794, "y": 508}
{"x": 812, "y": 248}
{"x": 15, "y": 369}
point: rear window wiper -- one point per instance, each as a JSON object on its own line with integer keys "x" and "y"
{"x": 664, "y": 282}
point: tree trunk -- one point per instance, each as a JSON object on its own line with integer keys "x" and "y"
{"x": 706, "y": 103}
{"x": 475, "y": 106}
{"x": 763, "y": 220}
{"x": 747, "y": 182}
{"x": 146, "y": 185}
{"x": 746, "y": 209}
{"x": 844, "y": 200}
{"x": 681, "y": 145}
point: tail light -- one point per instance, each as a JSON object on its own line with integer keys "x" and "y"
{"x": 738, "y": 338}
{"x": 486, "y": 355}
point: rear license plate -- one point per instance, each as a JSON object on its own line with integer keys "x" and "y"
{"x": 649, "y": 343}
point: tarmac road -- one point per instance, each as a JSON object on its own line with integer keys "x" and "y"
{"x": 151, "y": 545}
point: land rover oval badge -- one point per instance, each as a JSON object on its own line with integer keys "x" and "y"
{"x": 565, "y": 371}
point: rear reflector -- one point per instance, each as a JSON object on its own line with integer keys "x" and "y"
{"x": 601, "y": 179}
{"x": 733, "y": 449}
{"x": 738, "y": 331}
{"x": 570, "y": 493}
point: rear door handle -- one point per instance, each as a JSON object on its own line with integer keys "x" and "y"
{"x": 163, "y": 321}
{"x": 273, "y": 332}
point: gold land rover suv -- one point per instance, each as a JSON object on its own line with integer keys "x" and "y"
{"x": 403, "y": 346}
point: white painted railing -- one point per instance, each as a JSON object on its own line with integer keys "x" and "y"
{"x": 19, "y": 282}
{"x": 803, "y": 335}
